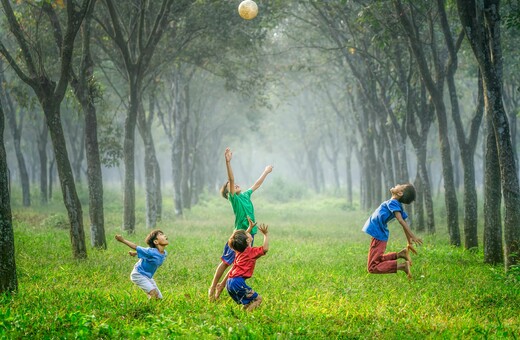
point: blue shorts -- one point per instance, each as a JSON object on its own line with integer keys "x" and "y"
{"x": 228, "y": 255}
{"x": 240, "y": 291}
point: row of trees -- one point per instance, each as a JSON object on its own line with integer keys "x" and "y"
{"x": 367, "y": 81}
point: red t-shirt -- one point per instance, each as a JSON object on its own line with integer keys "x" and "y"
{"x": 244, "y": 263}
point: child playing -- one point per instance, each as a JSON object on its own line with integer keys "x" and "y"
{"x": 376, "y": 226}
{"x": 149, "y": 260}
{"x": 244, "y": 265}
{"x": 242, "y": 208}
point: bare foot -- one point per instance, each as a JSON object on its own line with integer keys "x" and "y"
{"x": 218, "y": 290}
{"x": 253, "y": 304}
{"x": 406, "y": 269}
{"x": 211, "y": 293}
{"x": 405, "y": 254}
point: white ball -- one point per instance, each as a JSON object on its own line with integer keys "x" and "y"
{"x": 248, "y": 9}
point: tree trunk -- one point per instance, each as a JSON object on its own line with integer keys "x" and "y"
{"x": 16, "y": 131}
{"x": 42, "y": 152}
{"x": 70, "y": 196}
{"x": 129, "y": 157}
{"x": 493, "y": 251}
{"x": 8, "y": 279}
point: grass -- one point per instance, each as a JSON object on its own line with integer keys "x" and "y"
{"x": 313, "y": 281}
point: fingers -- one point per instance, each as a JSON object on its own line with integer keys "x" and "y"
{"x": 411, "y": 248}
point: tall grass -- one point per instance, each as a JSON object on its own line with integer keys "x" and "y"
{"x": 313, "y": 280}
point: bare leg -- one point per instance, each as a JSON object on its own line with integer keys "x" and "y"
{"x": 218, "y": 274}
{"x": 221, "y": 286}
{"x": 405, "y": 254}
{"x": 253, "y": 304}
{"x": 405, "y": 267}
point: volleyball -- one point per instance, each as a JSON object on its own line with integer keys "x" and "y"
{"x": 248, "y": 9}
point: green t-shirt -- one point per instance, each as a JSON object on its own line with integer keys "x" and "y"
{"x": 243, "y": 207}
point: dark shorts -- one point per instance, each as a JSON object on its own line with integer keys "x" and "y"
{"x": 239, "y": 291}
{"x": 228, "y": 255}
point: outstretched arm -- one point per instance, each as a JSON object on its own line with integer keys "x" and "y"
{"x": 128, "y": 243}
{"x": 264, "y": 229}
{"x": 251, "y": 224}
{"x": 408, "y": 233}
{"x": 260, "y": 180}
{"x": 228, "y": 155}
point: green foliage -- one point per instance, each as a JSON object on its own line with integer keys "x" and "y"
{"x": 313, "y": 281}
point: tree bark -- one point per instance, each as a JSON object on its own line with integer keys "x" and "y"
{"x": 8, "y": 279}
{"x": 493, "y": 246}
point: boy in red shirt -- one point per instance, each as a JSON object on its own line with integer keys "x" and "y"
{"x": 244, "y": 265}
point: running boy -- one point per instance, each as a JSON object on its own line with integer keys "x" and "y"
{"x": 149, "y": 260}
{"x": 242, "y": 208}
{"x": 377, "y": 227}
{"x": 244, "y": 265}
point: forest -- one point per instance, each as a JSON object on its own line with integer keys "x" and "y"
{"x": 114, "y": 118}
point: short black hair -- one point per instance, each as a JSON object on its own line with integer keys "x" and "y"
{"x": 224, "y": 190}
{"x": 238, "y": 241}
{"x": 152, "y": 236}
{"x": 408, "y": 194}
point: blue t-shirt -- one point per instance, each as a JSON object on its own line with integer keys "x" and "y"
{"x": 377, "y": 224}
{"x": 149, "y": 260}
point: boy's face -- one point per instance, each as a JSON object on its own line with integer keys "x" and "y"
{"x": 398, "y": 190}
{"x": 237, "y": 188}
{"x": 249, "y": 239}
{"x": 161, "y": 240}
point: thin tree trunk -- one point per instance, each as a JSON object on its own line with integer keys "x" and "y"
{"x": 8, "y": 279}
{"x": 42, "y": 152}
{"x": 493, "y": 251}
{"x": 16, "y": 131}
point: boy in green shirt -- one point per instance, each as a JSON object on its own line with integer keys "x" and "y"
{"x": 242, "y": 208}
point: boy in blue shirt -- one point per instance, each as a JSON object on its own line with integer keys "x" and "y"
{"x": 242, "y": 208}
{"x": 377, "y": 227}
{"x": 149, "y": 260}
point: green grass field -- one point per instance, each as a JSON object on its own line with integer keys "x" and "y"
{"x": 313, "y": 280}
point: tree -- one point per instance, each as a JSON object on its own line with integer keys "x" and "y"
{"x": 136, "y": 39}
{"x": 481, "y": 23}
{"x": 86, "y": 91}
{"x": 50, "y": 95}
{"x": 16, "y": 130}
{"x": 434, "y": 82}
{"x": 8, "y": 280}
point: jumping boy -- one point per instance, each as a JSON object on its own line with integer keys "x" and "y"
{"x": 242, "y": 208}
{"x": 149, "y": 260}
{"x": 377, "y": 227}
{"x": 244, "y": 265}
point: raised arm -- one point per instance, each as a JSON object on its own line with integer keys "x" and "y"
{"x": 408, "y": 233}
{"x": 251, "y": 224}
{"x": 128, "y": 243}
{"x": 264, "y": 229}
{"x": 231, "y": 179}
{"x": 260, "y": 180}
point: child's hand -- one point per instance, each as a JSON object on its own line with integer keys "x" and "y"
{"x": 263, "y": 228}
{"x": 415, "y": 240}
{"x": 228, "y": 154}
{"x": 268, "y": 169}
{"x": 251, "y": 224}
{"x": 132, "y": 253}
{"x": 119, "y": 238}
